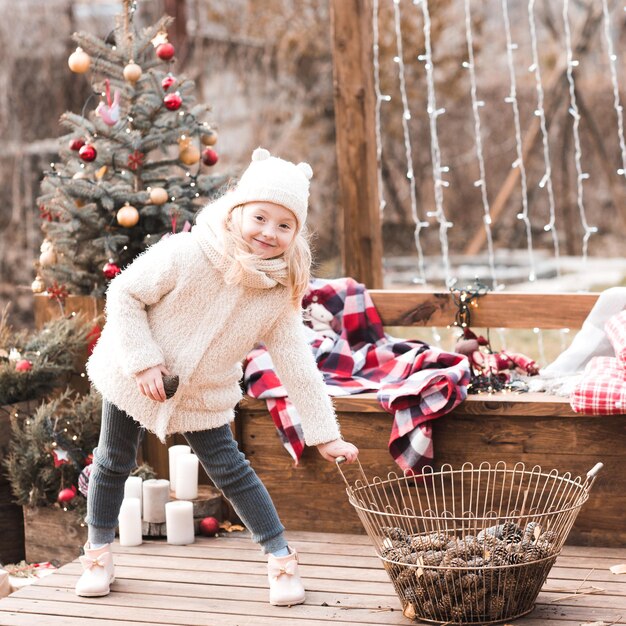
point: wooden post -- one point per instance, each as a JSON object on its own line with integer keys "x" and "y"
{"x": 354, "y": 96}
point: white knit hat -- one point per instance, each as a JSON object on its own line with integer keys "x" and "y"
{"x": 268, "y": 179}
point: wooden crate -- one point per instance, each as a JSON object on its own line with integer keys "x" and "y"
{"x": 51, "y": 533}
{"x": 311, "y": 496}
{"x": 11, "y": 517}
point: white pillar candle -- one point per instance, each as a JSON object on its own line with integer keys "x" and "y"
{"x": 156, "y": 494}
{"x": 186, "y": 485}
{"x": 130, "y": 522}
{"x": 173, "y": 453}
{"x": 179, "y": 522}
{"x": 132, "y": 488}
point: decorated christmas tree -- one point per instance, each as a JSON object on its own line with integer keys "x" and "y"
{"x": 134, "y": 166}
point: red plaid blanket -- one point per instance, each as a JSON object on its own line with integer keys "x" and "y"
{"x": 602, "y": 389}
{"x": 414, "y": 382}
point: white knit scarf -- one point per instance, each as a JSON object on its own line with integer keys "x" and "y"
{"x": 267, "y": 273}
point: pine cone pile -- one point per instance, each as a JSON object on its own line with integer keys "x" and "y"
{"x": 493, "y": 575}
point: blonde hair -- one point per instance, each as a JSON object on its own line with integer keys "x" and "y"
{"x": 297, "y": 257}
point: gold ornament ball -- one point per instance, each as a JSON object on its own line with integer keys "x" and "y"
{"x": 127, "y": 216}
{"x": 132, "y": 72}
{"x": 158, "y": 195}
{"x": 46, "y": 246}
{"x": 38, "y": 286}
{"x": 189, "y": 155}
{"x": 79, "y": 61}
{"x": 47, "y": 258}
{"x": 209, "y": 138}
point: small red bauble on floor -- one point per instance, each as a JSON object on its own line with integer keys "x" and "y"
{"x": 209, "y": 526}
{"x": 209, "y": 156}
{"x": 172, "y": 101}
{"x": 110, "y": 270}
{"x": 167, "y": 82}
{"x": 88, "y": 153}
{"x": 23, "y": 365}
{"x": 165, "y": 51}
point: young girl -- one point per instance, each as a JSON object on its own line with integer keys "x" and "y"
{"x": 195, "y": 304}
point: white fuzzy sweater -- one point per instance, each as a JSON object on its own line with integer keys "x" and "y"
{"x": 172, "y": 307}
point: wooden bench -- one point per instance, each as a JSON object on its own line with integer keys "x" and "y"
{"x": 532, "y": 428}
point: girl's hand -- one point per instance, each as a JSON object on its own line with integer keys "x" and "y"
{"x": 150, "y": 382}
{"x": 338, "y": 447}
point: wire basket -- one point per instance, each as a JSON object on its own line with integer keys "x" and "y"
{"x": 470, "y": 545}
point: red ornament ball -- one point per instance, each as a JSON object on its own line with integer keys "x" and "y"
{"x": 110, "y": 270}
{"x": 88, "y": 153}
{"x": 23, "y": 365}
{"x": 172, "y": 101}
{"x": 165, "y": 51}
{"x": 76, "y": 144}
{"x": 209, "y": 156}
{"x": 66, "y": 495}
{"x": 167, "y": 82}
{"x": 209, "y": 526}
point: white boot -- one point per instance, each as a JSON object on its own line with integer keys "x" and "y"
{"x": 286, "y": 588}
{"x": 98, "y": 572}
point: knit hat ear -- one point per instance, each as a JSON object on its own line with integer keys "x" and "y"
{"x": 260, "y": 154}
{"x": 306, "y": 169}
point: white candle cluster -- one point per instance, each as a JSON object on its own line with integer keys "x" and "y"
{"x": 149, "y": 501}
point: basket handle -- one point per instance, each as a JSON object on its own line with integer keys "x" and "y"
{"x": 593, "y": 472}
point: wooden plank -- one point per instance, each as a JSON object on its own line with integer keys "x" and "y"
{"x": 193, "y": 609}
{"x": 234, "y": 579}
{"x": 514, "y": 404}
{"x": 233, "y": 592}
{"x": 494, "y": 310}
{"x": 97, "y": 611}
{"x": 351, "y": 37}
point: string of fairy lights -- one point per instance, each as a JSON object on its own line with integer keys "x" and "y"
{"x": 435, "y": 151}
{"x": 434, "y": 111}
{"x": 519, "y": 161}
{"x": 617, "y": 105}
{"x": 546, "y": 180}
{"x": 581, "y": 176}
{"x": 481, "y": 183}
{"x": 410, "y": 173}
{"x": 544, "y": 196}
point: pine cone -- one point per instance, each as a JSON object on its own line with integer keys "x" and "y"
{"x": 406, "y": 576}
{"x": 511, "y": 532}
{"x": 500, "y": 554}
{"x": 432, "y": 541}
{"x": 531, "y": 553}
{"x": 496, "y": 607}
{"x": 457, "y": 614}
{"x": 471, "y": 581}
{"x": 472, "y": 546}
{"x": 394, "y": 533}
{"x": 170, "y": 385}
{"x": 397, "y": 554}
{"x": 549, "y": 536}
{"x": 529, "y": 531}
{"x": 476, "y": 561}
{"x": 431, "y": 557}
{"x": 428, "y": 608}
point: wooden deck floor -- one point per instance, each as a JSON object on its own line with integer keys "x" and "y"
{"x": 222, "y": 582}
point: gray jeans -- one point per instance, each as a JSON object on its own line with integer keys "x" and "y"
{"x": 226, "y": 466}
